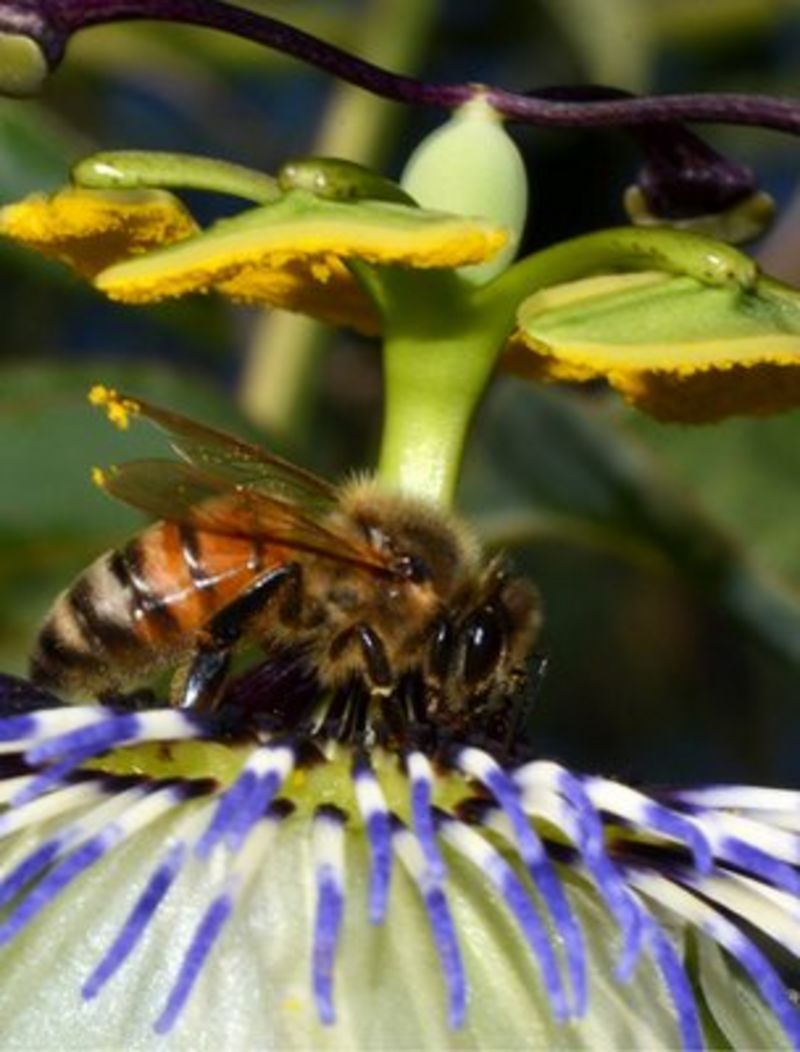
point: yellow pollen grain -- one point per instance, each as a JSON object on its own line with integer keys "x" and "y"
{"x": 99, "y": 478}
{"x": 99, "y": 394}
{"x": 118, "y": 410}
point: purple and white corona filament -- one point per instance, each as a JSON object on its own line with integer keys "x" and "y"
{"x": 282, "y": 884}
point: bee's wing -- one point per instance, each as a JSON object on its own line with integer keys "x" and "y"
{"x": 242, "y": 462}
{"x": 206, "y": 500}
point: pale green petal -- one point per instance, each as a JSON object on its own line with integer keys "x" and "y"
{"x": 738, "y": 1011}
{"x": 255, "y": 993}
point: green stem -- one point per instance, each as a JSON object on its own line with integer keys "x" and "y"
{"x": 438, "y": 356}
{"x": 443, "y": 336}
{"x": 141, "y": 169}
{"x": 421, "y": 450}
{"x": 620, "y": 249}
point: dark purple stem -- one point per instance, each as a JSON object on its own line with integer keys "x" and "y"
{"x": 763, "y": 111}
{"x": 64, "y": 17}
{"x": 682, "y": 176}
{"x": 214, "y": 14}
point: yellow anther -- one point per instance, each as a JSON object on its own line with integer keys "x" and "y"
{"x": 118, "y": 409}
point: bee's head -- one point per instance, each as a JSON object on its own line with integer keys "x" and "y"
{"x": 493, "y": 638}
{"x": 478, "y": 649}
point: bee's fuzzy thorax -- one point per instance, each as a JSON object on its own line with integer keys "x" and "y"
{"x": 448, "y": 540}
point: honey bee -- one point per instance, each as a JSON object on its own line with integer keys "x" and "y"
{"x": 374, "y": 588}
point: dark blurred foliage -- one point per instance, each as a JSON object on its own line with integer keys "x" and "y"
{"x": 659, "y": 667}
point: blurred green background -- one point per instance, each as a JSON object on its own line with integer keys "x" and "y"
{"x": 668, "y": 557}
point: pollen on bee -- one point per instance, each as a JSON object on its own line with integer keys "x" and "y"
{"x": 118, "y": 410}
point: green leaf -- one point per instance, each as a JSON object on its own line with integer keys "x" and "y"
{"x": 744, "y": 472}
{"x": 36, "y": 149}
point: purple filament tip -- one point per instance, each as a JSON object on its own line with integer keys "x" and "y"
{"x": 30, "y": 867}
{"x": 57, "y": 880}
{"x": 443, "y": 930}
{"x": 328, "y": 849}
{"x": 226, "y": 811}
{"x": 247, "y": 799}
{"x": 677, "y": 982}
{"x": 480, "y": 852}
{"x": 97, "y": 738}
{"x": 422, "y": 815}
{"x": 205, "y": 936}
{"x": 756, "y": 862}
{"x": 542, "y": 872}
{"x": 624, "y": 908}
{"x": 253, "y": 807}
{"x": 378, "y": 825}
{"x": 518, "y": 901}
{"x": 379, "y": 833}
{"x": 591, "y": 841}
{"x": 136, "y": 923}
{"x": 444, "y": 937}
{"x": 330, "y": 911}
{"x": 760, "y": 971}
{"x": 53, "y": 775}
{"x": 18, "y": 728}
{"x": 661, "y": 820}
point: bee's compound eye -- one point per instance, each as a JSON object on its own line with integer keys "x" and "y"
{"x": 441, "y": 650}
{"x": 483, "y": 644}
{"x": 413, "y": 569}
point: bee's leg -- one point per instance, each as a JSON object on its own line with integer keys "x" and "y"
{"x": 373, "y": 651}
{"x": 200, "y": 683}
{"x": 524, "y": 700}
{"x": 208, "y": 668}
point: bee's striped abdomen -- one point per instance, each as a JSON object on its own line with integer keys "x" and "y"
{"x": 134, "y": 608}
{"x": 89, "y": 627}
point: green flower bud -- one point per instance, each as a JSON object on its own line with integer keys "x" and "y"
{"x": 471, "y": 166}
{"x": 23, "y": 65}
